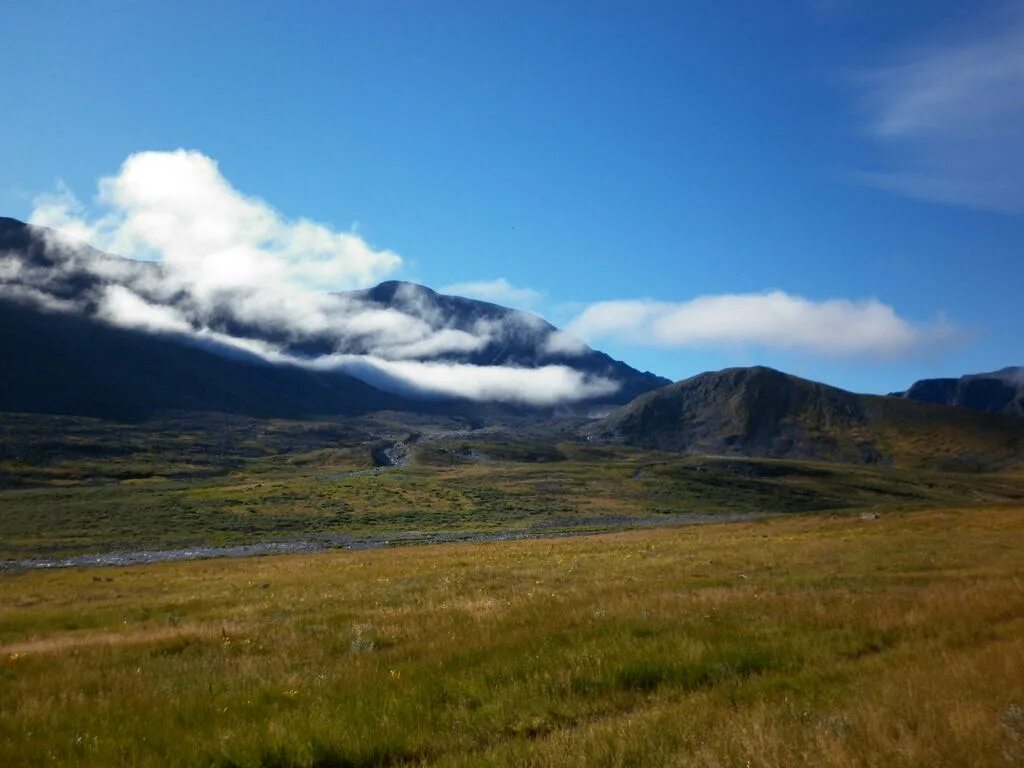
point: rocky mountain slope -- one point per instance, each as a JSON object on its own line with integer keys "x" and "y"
{"x": 763, "y": 412}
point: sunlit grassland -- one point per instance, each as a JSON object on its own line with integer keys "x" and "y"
{"x": 822, "y": 640}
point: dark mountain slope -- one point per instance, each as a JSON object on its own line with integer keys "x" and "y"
{"x": 762, "y": 412}
{"x": 56, "y": 362}
{"x": 997, "y": 392}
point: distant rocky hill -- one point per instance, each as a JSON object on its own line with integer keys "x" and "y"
{"x": 763, "y": 412}
{"x": 1001, "y": 391}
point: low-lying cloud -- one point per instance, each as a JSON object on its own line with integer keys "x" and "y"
{"x": 777, "y": 320}
{"x": 226, "y": 268}
{"x": 546, "y": 385}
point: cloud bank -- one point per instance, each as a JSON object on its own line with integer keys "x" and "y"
{"x": 543, "y": 386}
{"x": 226, "y": 268}
{"x": 952, "y": 115}
{"x": 778, "y": 320}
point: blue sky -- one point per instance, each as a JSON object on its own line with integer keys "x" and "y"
{"x": 591, "y": 152}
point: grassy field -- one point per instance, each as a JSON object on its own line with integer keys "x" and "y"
{"x": 826, "y": 640}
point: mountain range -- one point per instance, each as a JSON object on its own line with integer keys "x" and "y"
{"x": 88, "y": 333}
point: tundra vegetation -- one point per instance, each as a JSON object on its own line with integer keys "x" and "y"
{"x": 71, "y": 485}
{"x": 875, "y": 616}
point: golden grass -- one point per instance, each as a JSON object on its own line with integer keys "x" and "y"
{"x": 826, "y": 641}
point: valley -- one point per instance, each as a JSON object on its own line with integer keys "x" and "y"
{"x": 76, "y": 486}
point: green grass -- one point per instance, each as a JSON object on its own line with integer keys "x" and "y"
{"x": 804, "y": 640}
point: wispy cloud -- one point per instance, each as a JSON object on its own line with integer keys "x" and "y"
{"x": 952, "y": 116}
{"x": 776, "y": 320}
{"x": 499, "y": 291}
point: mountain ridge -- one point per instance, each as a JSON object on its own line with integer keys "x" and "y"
{"x": 525, "y": 345}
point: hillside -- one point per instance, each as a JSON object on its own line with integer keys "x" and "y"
{"x": 763, "y": 412}
{"x": 69, "y": 363}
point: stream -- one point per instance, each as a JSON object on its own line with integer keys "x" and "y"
{"x": 324, "y": 542}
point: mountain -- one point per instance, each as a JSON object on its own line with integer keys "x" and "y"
{"x": 62, "y": 359}
{"x": 997, "y": 392}
{"x": 524, "y": 340}
{"x": 762, "y": 412}
{"x": 67, "y": 347}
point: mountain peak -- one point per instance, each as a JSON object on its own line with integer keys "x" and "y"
{"x": 756, "y": 411}
{"x": 508, "y": 337}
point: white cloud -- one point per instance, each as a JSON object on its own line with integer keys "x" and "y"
{"x": 10, "y": 268}
{"x": 499, "y": 291}
{"x": 952, "y": 115}
{"x": 836, "y": 327}
{"x": 62, "y": 212}
{"x": 178, "y": 208}
{"x": 443, "y": 342}
{"x": 230, "y": 256}
{"x": 543, "y": 386}
{"x": 30, "y": 294}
